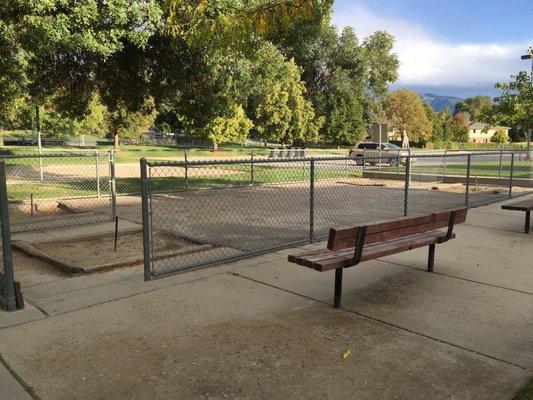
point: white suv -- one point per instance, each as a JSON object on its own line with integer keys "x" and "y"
{"x": 389, "y": 153}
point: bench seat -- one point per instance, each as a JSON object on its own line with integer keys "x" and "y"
{"x": 325, "y": 259}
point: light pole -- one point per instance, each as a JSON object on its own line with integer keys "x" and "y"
{"x": 529, "y": 57}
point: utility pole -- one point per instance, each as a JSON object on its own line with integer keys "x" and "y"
{"x": 529, "y": 56}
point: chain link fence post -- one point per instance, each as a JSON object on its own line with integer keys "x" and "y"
{"x": 312, "y": 201}
{"x": 252, "y": 168}
{"x": 186, "y": 171}
{"x": 468, "y": 162}
{"x": 445, "y": 165}
{"x": 112, "y": 184}
{"x": 7, "y": 256}
{"x": 500, "y": 167}
{"x": 511, "y": 176}
{"x": 97, "y": 163}
{"x": 406, "y": 186}
{"x": 146, "y": 220}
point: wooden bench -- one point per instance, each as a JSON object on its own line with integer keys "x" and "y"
{"x": 350, "y": 246}
{"x": 524, "y": 205}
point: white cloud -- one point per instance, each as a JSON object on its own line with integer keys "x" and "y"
{"x": 428, "y": 61}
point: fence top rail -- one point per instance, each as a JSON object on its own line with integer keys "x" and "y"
{"x": 236, "y": 161}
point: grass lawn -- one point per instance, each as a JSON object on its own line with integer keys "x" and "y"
{"x": 525, "y": 393}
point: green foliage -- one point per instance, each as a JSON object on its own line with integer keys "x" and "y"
{"x": 499, "y": 137}
{"x": 96, "y": 122}
{"x": 211, "y": 67}
{"x": 406, "y": 112}
{"x": 231, "y": 128}
{"x": 279, "y": 109}
{"x": 58, "y": 45}
{"x": 460, "y": 127}
{"x": 346, "y": 79}
{"x": 514, "y": 106}
{"x": 203, "y": 20}
{"x": 131, "y": 124}
{"x": 476, "y": 107}
{"x": 440, "y": 124}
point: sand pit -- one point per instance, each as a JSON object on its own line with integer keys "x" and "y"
{"x": 97, "y": 253}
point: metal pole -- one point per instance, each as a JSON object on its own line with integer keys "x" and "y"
{"x": 500, "y": 168}
{"x": 312, "y": 202}
{"x": 398, "y": 163}
{"x": 186, "y": 171}
{"x": 112, "y": 184}
{"x": 445, "y": 164}
{"x": 146, "y": 220}
{"x": 467, "y": 179}
{"x": 252, "y": 168}
{"x": 346, "y": 166}
{"x": 97, "y": 163}
{"x": 7, "y": 256}
{"x": 39, "y": 144}
{"x": 511, "y": 176}
{"x": 116, "y": 234}
{"x": 407, "y": 183}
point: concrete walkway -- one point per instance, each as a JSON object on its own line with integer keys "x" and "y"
{"x": 264, "y": 329}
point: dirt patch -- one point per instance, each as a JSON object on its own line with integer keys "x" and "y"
{"x": 92, "y": 254}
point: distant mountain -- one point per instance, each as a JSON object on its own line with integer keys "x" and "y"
{"x": 439, "y": 103}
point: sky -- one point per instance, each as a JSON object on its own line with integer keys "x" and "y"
{"x": 453, "y": 48}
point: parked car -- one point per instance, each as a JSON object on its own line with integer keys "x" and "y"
{"x": 389, "y": 153}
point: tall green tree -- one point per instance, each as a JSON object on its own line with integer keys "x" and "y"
{"x": 514, "y": 106}
{"x": 277, "y": 105}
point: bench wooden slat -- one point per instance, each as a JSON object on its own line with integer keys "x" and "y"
{"x": 342, "y": 238}
{"x": 325, "y": 254}
{"x": 327, "y": 259}
{"x": 525, "y": 205}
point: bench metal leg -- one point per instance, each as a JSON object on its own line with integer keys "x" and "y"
{"x": 431, "y": 257}
{"x": 528, "y": 218}
{"x": 338, "y": 288}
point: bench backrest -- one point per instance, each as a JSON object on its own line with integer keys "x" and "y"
{"x": 382, "y": 231}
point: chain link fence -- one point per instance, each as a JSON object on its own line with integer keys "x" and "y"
{"x": 215, "y": 211}
{"x": 59, "y": 189}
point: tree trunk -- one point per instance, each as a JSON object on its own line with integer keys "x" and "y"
{"x": 116, "y": 141}
{"x": 215, "y": 146}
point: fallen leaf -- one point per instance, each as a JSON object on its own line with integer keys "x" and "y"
{"x": 346, "y": 354}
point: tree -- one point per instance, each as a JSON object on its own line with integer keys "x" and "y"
{"x": 65, "y": 50}
{"x": 95, "y": 122}
{"x": 231, "y": 128}
{"x": 406, "y": 112}
{"x": 475, "y": 107}
{"x": 277, "y": 105}
{"x": 460, "y": 127}
{"x": 499, "y": 137}
{"x": 514, "y": 106}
